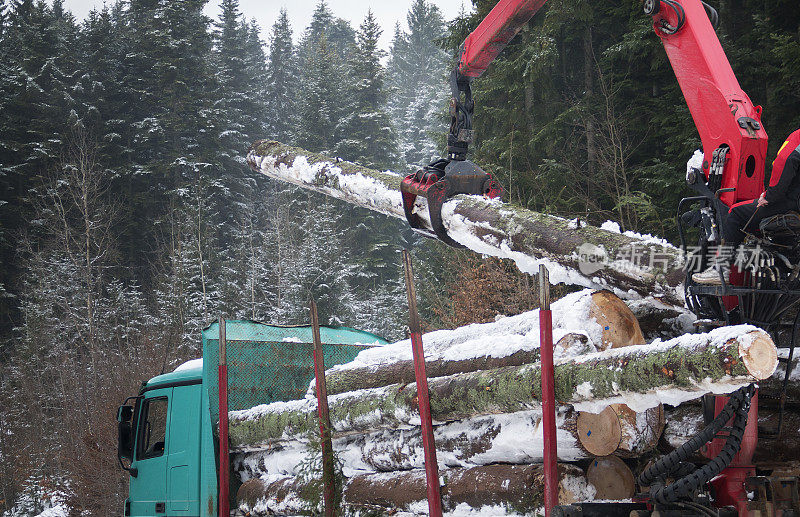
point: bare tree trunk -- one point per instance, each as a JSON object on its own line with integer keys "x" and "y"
{"x": 591, "y": 149}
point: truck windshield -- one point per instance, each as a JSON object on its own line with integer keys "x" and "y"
{"x": 152, "y": 428}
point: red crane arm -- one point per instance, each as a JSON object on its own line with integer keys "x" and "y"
{"x": 730, "y": 128}
{"x": 494, "y": 32}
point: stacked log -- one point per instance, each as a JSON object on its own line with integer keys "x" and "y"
{"x": 487, "y": 410}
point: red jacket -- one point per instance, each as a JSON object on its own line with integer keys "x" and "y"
{"x": 785, "y": 180}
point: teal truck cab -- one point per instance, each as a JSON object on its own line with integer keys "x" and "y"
{"x": 167, "y": 433}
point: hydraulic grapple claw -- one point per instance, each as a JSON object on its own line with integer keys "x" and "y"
{"x": 439, "y": 182}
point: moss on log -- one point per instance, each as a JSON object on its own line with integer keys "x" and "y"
{"x": 515, "y": 487}
{"x": 500, "y": 229}
{"x": 514, "y": 438}
{"x": 690, "y": 365}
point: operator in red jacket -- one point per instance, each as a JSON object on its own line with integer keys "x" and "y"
{"x": 782, "y": 195}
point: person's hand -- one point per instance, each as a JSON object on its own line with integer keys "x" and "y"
{"x": 762, "y": 200}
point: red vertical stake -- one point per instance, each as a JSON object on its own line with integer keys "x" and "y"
{"x": 224, "y": 460}
{"x": 548, "y": 393}
{"x": 328, "y": 474}
{"x": 423, "y": 396}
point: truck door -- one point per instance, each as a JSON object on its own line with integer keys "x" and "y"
{"x": 148, "y": 489}
{"x": 183, "y": 477}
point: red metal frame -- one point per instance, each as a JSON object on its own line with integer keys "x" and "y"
{"x": 328, "y": 474}
{"x": 548, "y": 410}
{"x": 428, "y": 443}
{"x": 715, "y": 99}
{"x": 729, "y": 486}
{"x": 423, "y": 395}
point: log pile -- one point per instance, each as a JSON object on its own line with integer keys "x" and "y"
{"x": 611, "y": 387}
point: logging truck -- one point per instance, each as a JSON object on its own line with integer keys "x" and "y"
{"x": 168, "y": 438}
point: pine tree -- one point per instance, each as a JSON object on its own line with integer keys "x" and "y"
{"x": 282, "y": 78}
{"x": 321, "y": 98}
{"x": 417, "y": 72}
{"x": 257, "y": 117}
{"x": 366, "y": 134}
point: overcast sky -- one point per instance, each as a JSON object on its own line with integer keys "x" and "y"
{"x": 388, "y": 12}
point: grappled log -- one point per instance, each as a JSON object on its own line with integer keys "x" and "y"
{"x": 618, "y": 328}
{"x": 516, "y": 486}
{"x": 500, "y": 229}
{"x": 514, "y": 438}
{"x": 686, "y": 420}
{"x": 690, "y": 366}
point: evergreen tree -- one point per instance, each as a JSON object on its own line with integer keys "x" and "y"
{"x": 282, "y": 78}
{"x": 417, "y": 72}
{"x": 365, "y": 134}
{"x": 321, "y": 98}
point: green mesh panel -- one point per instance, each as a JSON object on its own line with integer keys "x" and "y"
{"x": 267, "y": 363}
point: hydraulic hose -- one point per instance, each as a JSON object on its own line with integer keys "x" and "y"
{"x": 690, "y": 479}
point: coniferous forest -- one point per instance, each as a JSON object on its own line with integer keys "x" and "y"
{"x": 129, "y": 220}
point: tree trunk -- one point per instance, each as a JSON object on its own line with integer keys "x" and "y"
{"x": 690, "y": 366}
{"x": 517, "y": 486}
{"x": 633, "y": 266}
{"x": 514, "y": 438}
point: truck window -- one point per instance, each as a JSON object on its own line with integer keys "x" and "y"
{"x": 152, "y": 428}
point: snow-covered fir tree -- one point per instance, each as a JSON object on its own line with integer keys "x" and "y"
{"x": 365, "y": 134}
{"x": 282, "y": 80}
{"x": 417, "y": 73}
{"x": 321, "y": 98}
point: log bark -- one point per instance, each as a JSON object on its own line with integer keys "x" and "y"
{"x": 617, "y": 324}
{"x": 504, "y": 230}
{"x": 686, "y": 420}
{"x": 661, "y": 320}
{"x": 515, "y": 486}
{"x": 722, "y": 360}
{"x": 514, "y": 438}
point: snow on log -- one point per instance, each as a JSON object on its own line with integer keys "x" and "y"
{"x": 584, "y": 322}
{"x": 491, "y": 488}
{"x": 514, "y": 438}
{"x": 640, "y": 376}
{"x": 629, "y": 264}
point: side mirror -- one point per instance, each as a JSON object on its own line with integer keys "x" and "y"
{"x": 124, "y": 413}
{"x": 125, "y": 439}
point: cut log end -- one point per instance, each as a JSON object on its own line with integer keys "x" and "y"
{"x": 611, "y": 478}
{"x": 600, "y": 433}
{"x": 759, "y": 354}
{"x": 620, "y": 327}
